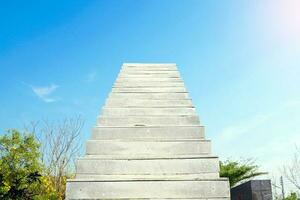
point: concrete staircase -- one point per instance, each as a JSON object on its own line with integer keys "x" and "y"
{"x": 148, "y": 143}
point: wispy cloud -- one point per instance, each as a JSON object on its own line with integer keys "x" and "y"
{"x": 268, "y": 137}
{"x": 238, "y": 130}
{"x": 232, "y": 132}
{"x": 45, "y": 92}
{"x": 91, "y": 77}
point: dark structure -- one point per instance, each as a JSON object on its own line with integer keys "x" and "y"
{"x": 252, "y": 190}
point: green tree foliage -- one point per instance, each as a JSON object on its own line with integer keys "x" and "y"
{"x": 20, "y": 167}
{"x": 239, "y": 171}
{"x": 292, "y": 196}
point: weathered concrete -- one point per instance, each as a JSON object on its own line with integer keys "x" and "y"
{"x": 151, "y": 96}
{"x": 140, "y": 72}
{"x": 154, "y": 132}
{"x": 173, "y": 147}
{"x": 147, "y": 111}
{"x": 148, "y": 84}
{"x": 145, "y": 75}
{"x": 149, "y": 121}
{"x": 151, "y": 67}
{"x": 148, "y": 143}
{"x": 148, "y": 177}
{"x": 148, "y": 166}
{"x": 149, "y": 89}
{"x": 148, "y": 103}
{"x": 141, "y": 79}
{"x": 184, "y": 189}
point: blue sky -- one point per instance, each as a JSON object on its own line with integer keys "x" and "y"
{"x": 240, "y": 61}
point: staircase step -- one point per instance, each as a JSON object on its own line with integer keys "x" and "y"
{"x": 148, "y": 103}
{"x": 148, "y": 177}
{"x": 127, "y": 75}
{"x": 147, "y": 89}
{"x": 148, "y": 84}
{"x": 158, "y": 96}
{"x": 148, "y": 121}
{"x": 136, "y": 67}
{"x": 201, "y": 189}
{"x": 142, "y": 157}
{"x": 208, "y": 164}
{"x": 148, "y": 148}
{"x": 141, "y": 79}
{"x": 106, "y": 112}
{"x": 154, "y": 132}
{"x": 143, "y": 72}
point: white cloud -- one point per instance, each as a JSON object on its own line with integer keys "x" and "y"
{"x": 45, "y": 92}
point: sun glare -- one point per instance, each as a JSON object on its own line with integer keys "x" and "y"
{"x": 283, "y": 17}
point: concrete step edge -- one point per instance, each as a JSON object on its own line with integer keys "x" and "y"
{"x": 200, "y": 126}
{"x": 139, "y": 86}
{"x": 169, "y": 177}
{"x": 162, "y": 178}
{"x": 152, "y": 140}
{"x": 154, "y": 106}
{"x": 153, "y": 116}
{"x": 95, "y": 180}
{"x": 130, "y": 140}
{"x": 148, "y": 157}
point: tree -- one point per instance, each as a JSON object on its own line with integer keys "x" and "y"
{"x": 292, "y": 196}
{"x": 292, "y": 171}
{"x": 20, "y": 167}
{"x": 239, "y": 171}
{"x": 60, "y": 145}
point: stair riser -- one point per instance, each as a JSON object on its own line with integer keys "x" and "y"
{"x": 152, "y": 166}
{"x": 148, "y": 121}
{"x": 147, "y": 103}
{"x": 148, "y": 84}
{"x": 139, "y": 79}
{"x": 147, "y": 111}
{"x": 148, "y": 76}
{"x": 149, "y": 68}
{"x": 94, "y": 147}
{"x": 150, "y": 96}
{"x": 147, "y": 72}
{"x": 164, "y": 133}
{"x": 149, "y": 90}
{"x": 147, "y": 177}
{"x": 148, "y": 189}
